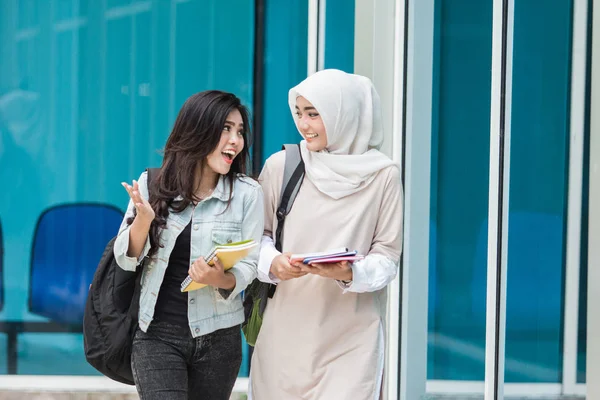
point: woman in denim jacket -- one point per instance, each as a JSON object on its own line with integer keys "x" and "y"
{"x": 188, "y": 345}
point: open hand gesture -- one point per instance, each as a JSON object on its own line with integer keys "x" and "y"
{"x": 143, "y": 208}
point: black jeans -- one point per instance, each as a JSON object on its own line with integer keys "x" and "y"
{"x": 169, "y": 364}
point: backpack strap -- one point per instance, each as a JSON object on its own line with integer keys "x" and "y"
{"x": 293, "y": 174}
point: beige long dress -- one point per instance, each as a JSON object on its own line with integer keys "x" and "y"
{"x": 317, "y": 341}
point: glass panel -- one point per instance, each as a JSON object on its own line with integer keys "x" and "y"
{"x": 339, "y": 35}
{"x": 286, "y": 40}
{"x": 538, "y": 191}
{"x": 459, "y": 189}
{"x": 538, "y": 187}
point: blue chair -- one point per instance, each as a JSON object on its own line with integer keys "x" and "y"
{"x": 535, "y": 273}
{"x": 67, "y": 246}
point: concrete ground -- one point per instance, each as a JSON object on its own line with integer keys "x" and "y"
{"x": 236, "y": 396}
{"x": 470, "y": 397}
{"x": 80, "y": 396}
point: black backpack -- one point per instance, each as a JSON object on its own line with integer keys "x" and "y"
{"x": 110, "y": 317}
{"x": 258, "y": 293}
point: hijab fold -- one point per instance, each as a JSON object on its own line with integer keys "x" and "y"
{"x": 351, "y": 113}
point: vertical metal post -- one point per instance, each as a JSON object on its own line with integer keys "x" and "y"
{"x": 499, "y": 177}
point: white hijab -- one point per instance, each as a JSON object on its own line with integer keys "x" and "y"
{"x": 351, "y": 113}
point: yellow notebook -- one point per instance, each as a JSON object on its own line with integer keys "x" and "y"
{"x": 228, "y": 255}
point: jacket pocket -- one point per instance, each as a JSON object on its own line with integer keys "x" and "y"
{"x": 230, "y": 233}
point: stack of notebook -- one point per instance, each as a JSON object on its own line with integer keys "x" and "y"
{"x": 228, "y": 255}
{"x": 327, "y": 257}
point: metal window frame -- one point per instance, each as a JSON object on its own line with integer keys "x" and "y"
{"x": 575, "y": 194}
{"x": 593, "y": 318}
{"x": 414, "y": 272}
{"x": 313, "y": 37}
{"x": 499, "y": 180}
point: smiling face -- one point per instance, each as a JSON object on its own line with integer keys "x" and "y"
{"x": 310, "y": 124}
{"x": 230, "y": 144}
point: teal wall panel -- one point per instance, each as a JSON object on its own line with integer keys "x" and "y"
{"x": 285, "y": 65}
{"x": 339, "y": 34}
{"x": 286, "y": 58}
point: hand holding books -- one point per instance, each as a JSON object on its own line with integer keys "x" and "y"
{"x": 334, "y": 264}
{"x": 283, "y": 269}
{"x": 327, "y": 257}
{"x": 213, "y": 275}
{"x": 210, "y": 271}
{"x": 330, "y": 264}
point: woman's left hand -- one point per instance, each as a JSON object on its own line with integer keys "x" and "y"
{"x": 212, "y": 275}
{"x": 341, "y": 271}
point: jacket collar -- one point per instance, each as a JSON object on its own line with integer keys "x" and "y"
{"x": 221, "y": 191}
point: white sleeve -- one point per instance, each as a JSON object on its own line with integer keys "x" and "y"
{"x": 372, "y": 273}
{"x": 267, "y": 253}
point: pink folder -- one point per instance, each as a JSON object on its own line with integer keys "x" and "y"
{"x": 332, "y": 260}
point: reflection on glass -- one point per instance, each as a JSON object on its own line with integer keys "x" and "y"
{"x": 459, "y": 189}
{"x": 538, "y": 187}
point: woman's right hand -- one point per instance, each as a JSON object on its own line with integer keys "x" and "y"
{"x": 283, "y": 269}
{"x": 144, "y": 209}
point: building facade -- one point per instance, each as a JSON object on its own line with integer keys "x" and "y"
{"x": 488, "y": 108}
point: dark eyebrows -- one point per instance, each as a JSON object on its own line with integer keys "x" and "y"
{"x": 233, "y": 123}
{"x": 307, "y": 108}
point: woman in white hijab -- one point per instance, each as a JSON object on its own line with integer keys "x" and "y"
{"x": 322, "y": 336}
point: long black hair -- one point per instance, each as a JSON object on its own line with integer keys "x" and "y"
{"x": 195, "y": 135}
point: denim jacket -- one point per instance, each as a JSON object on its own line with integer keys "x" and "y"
{"x": 209, "y": 309}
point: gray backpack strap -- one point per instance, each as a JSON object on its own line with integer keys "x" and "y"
{"x": 293, "y": 174}
{"x": 293, "y": 161}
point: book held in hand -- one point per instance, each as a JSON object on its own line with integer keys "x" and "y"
{"x": 228, "y": 254}
{"x": 328, "y": 257}
{"x": 336, "y": 259}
